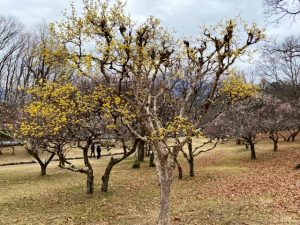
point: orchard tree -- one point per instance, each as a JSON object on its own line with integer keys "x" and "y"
{"x": 243, "y": 121}
{"x": 55, "y": 106}
{"x": 62, "y": 113}
{"x": 42, "y": 121}
{"x": 142, "y": 64}
{"x": 233, "y": 89}
{"x": 275, "y": 116}
{"x": 291, "y": 120}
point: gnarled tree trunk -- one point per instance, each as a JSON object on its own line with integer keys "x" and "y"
{"x": 42, "y": 164}
{"x": 89, "y": 172}
{"x": 112, "y": 162}
{"x": 294, "y": 134}
{"x": 105, "y": 177}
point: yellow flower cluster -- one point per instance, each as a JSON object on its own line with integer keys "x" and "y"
{"x": 237, "y": 89}
{"x": 55, "y": 105}
{"x": 50, "y": 110}
{"x": 178, "y": 126}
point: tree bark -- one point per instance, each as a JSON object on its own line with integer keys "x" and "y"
{"x": 165, "y": 171}
{"x": 285, "y": 139}
{"x": 294, "y": 134}
{"x": 147, "y": 150}
{"x": 89, "y": 172}
{"x": 191, "y": 158}
{"x": 151, "y": 161}
{"x": 112, "y": 162}
{"x": 141, "y": 151}
{"x": 275, "y": 147}
{"x": 42, "y": 164}
{"x": 253, "y": 153}
{"x": 165, "y": 187}
{"x": 274, "y": 137}
{"x": 105, "y": 177}
{"x": 180, "y": 172}
{"x": 61, "y": 158}
{"x": 43, "y": 169}
{"x": 90, "y": 183}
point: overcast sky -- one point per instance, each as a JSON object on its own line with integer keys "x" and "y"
{"x": 183, "y": 16}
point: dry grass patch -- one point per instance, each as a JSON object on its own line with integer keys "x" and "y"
{"x": 229, "y": 188}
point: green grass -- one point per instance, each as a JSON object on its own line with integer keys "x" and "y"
{"x": 229, "y": 188}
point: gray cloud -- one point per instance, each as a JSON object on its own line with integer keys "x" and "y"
{"x": 187, "y": 16}
{"x": 184, "y": 16}
{"x": 34, "y": 12}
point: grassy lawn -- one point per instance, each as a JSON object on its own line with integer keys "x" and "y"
{"x": 228, "y": 188}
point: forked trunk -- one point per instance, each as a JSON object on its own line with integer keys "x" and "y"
{"x": 42, "y": 164}
{"x": 294, "y": 134}
{"x": 113, "y": 162}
